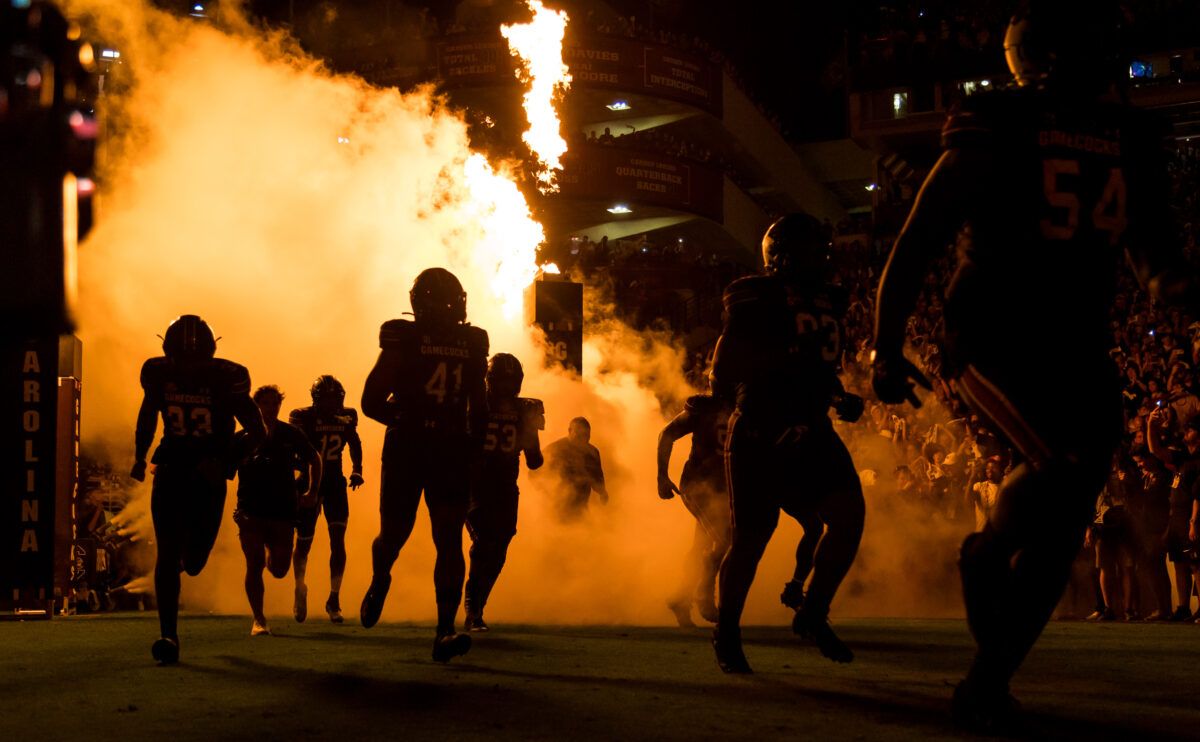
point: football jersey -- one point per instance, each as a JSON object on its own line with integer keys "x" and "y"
{"x": 196, "y": 404}
{"x": 512, "y": 427}
{"x": 778, "y": 355}
{"x": 708, "y": 420}
{"x": 435, "y": 375}
{"x": 267, "y": 479}
{"x": 1070, "y": 178}
{"x": 329, "y": 435}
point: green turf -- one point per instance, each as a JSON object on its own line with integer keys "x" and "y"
{"x": 92, "y": 678}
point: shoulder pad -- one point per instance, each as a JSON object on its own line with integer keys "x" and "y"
{"x": 300, "y": 415}
{"x": 972, "y": 122}
{"x": 235, "y": 375}
{"x": 351, "y": 413}
{"x": 395, "y": 332}
{"x": 698, "y": 404}
{"x": 478, "y": 338}
{"x": 152, "y": 371}
{"x": 749, "y": 292}
{"x": 533, "y": 410}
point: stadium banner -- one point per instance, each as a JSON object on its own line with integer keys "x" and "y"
{"x": 598, "y": 171}
{"x": 29, "y": 414}
{"x": 619, "y": 64}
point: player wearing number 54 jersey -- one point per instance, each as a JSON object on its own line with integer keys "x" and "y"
{"x": 1053, "y": 178}
{"x": 331, "y": 428}
{"x": 198, "y": 397}
{"x": 428, "y": 388}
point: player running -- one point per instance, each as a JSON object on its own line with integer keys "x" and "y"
{"x": 268, "y": 498}
{"x": 702, "y": 490}
{"x": 776, "y": 362}
{"x": 331, "y": 427}
{"x": 512, "y": 428}
{"x": 198, "y": 397}
{"x": 428, "y": 388}
{"x": 1054, "y": 177}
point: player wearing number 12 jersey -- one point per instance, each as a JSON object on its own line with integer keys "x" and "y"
{"x": 331, "y": 428}
{"x": 428, "y": 388}
{"x": 513, "y": 425}
{"x": 198, "y": 398}
{"x": 775, "y": 362}
{"x": 1053, "y": 179}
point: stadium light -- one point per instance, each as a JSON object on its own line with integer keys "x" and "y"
{"x": 619, "y": 105}
{"x": 620, "y": 209}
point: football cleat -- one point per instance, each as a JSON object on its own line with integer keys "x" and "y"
{"x": 166, "y": 651}
{"x": 728, "y": 646}
{"x": 334, "y": 609}
{"x": 448, "y": 646}
{"x": 987, "y": 713}
{"x": 372, "y": 604}
{"x": 260, "y": 628}
{"x": 793, "y": 595}
{"x": 475, "y": 622}
{"x": 818, "y": 630}
{"x": 300, "y": 606}
{"x": 683, "y": 612}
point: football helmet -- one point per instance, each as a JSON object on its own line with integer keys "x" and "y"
{"x": 1077, "y": 45}
{"x": 795, "y": 247}
{"x": 189, "y": 337}
{"x": 437, "y": 295}
{"x": 504, "y": 375}
{"x": 327, "y": 390}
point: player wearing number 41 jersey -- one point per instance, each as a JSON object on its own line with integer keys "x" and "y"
{"x": 428, "y": 388}
{"x": 198, "y": 397}
{"x": 1053, "y": 178}
{"x": 331, "y": 428}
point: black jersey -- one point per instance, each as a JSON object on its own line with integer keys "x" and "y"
{"x": 436, "y": 371}
{"x": 330, "y": 434}
{"x": 267, "y": 479}
{"x": 707, "y": 421}
{"x": 196, "y": 402}
{"x": 1067, "y": 178}
{"x": 512, "y": 427}
{"x": 777, "y": 358}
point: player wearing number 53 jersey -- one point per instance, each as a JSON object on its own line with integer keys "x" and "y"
{"x": 776, "y": 362}
{"x": 198, "y": 398}
{"x": 1053, "y": 178}
{"x": 428, "y": 388}
{"x": 331, "y": 428}
{"x": 513, "y": 425}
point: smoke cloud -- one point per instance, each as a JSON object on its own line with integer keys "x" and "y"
{"x": 292, "y": 208}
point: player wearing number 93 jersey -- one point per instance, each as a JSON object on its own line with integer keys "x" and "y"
{"x": 1053, "y": 179}
{"x": 428, "y": 388}
{"x": 198, "y": 397}
{"x": 776, "y": 362}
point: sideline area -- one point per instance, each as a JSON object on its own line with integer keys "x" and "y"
{"x": 92, "y": 678}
